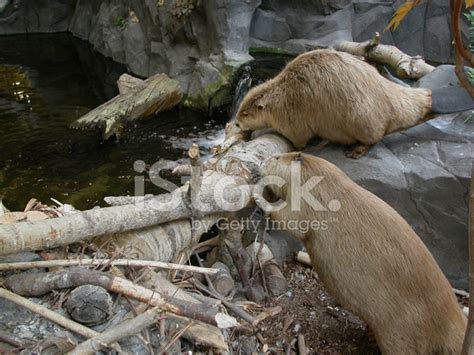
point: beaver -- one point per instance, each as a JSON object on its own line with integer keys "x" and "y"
{"x": 339, "y": 98}
{"x": 370, "y": 260}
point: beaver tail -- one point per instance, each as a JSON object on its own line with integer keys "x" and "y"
{"x": 450, "y": 99}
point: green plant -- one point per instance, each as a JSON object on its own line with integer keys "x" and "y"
{"x": 120, "y": 22}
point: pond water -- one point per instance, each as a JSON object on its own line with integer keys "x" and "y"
{"x": 48, "y": 81}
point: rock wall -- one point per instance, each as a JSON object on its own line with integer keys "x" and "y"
{"x": 314, "y": 23}
{"x": 200, "y": 43}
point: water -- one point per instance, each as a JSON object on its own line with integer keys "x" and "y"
{"x": 48, "y": 81}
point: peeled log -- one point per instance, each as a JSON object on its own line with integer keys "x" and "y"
{"x": 155, "y": 94}
{"x": 406, "y": 66}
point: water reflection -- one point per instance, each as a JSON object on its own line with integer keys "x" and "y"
{"x": 46, "y": 82}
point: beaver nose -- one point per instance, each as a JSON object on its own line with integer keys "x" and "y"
{"x": 238, "y": 125}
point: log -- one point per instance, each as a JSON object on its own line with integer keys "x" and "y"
{"x": 262, "y": 257}
{"x": 404, "y": 65}
{"x": 109, "y": 262}
{"x": 157, "y": 93}
{"x": 303, "y": 258}
{"x": 123, "y": 330}
{"x": 39, "y": 284}
{"x": 126, "y": 82}
{"x": 239, "y": 166}
{"x": 223, "y": 283}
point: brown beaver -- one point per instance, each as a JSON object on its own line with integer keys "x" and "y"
{"x": 337, "y": 97}
{"x": 371, "y": 261}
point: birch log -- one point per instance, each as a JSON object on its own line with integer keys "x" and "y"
{"x": 405, "y": 66}
{"x": 157, "y": 93}
{"x": 223, "y": 189}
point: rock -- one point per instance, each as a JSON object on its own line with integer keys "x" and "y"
{"x": 409, "y": 36}
{"x": 443, "y": 75}
{"x": 424, "y": 174}
{"x": 437, "y": 37}
{"x": 268, "y": 26}
{"x": 216, "y": 36}
{"x": 19, "y": 16}
{"x": 370, "y": 18}
{"x": 135, "y": 44}
{"x": 89, "y": 304}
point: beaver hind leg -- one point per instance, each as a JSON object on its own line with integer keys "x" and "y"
{"x": 357, "y": 151}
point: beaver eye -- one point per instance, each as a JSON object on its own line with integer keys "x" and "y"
{"x": 245, "y": 113}
{"x": 237, "y": 125}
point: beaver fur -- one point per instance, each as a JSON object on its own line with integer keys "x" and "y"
{"x": 371, "y": 261}
{"x": 335, "y": 96}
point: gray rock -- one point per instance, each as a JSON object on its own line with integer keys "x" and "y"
{"x": 437, "y": 36}
{"x": 268, "y": 26}
{"x": 89, "y": 304}
{"x": 443, "y": 75}
{"x": 20, "y": 16}
{"x": 136, "y": 51}
{"x": 410, "y": 35}
{"x": 370, "y": 18}
{"x": 424, "y": 174}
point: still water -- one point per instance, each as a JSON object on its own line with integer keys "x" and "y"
{"x": 48, "y": 81}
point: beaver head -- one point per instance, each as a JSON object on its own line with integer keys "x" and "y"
{"x": 253, "y": 112}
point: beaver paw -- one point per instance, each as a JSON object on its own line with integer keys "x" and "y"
{"x": 357, "y": 151}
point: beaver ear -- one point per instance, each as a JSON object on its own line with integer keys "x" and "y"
{"x": 298, "y": 157}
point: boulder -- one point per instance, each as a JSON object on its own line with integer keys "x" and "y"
{"x": 423, "y": 173}
{"x": 41, "y": 16}
{"x": 268, "y": 26}
{"x": 443, "y": 75}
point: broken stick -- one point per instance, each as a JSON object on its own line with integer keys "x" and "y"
{"x": 109, "y": 262}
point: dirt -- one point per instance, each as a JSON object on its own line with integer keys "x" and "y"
{"x": 307, "y": 309}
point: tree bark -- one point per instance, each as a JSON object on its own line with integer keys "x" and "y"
{"x": 405, "y": 66}
{"x": 468, "y": 346}
{"x": 157, "y": 93}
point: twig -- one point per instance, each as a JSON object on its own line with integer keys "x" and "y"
{"x": 301, "y": 345}
{"x": 123, "y": 330}
{"x": 456, "y": 11}
{"x": 110, "y": 262}
{"x": 49, "y": 314}
{"x": 461, "y": 53}
{"x": 176, "y": 337}
{"x": 6, "y": 338}
{"x": 468, "y": 345}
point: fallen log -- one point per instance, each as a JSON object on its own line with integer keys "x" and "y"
{"x": 155, "y": 94}
{"x": 39, "y": 284}
{"x": 223, "y": 189}
{"x": 404, "y": 65}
